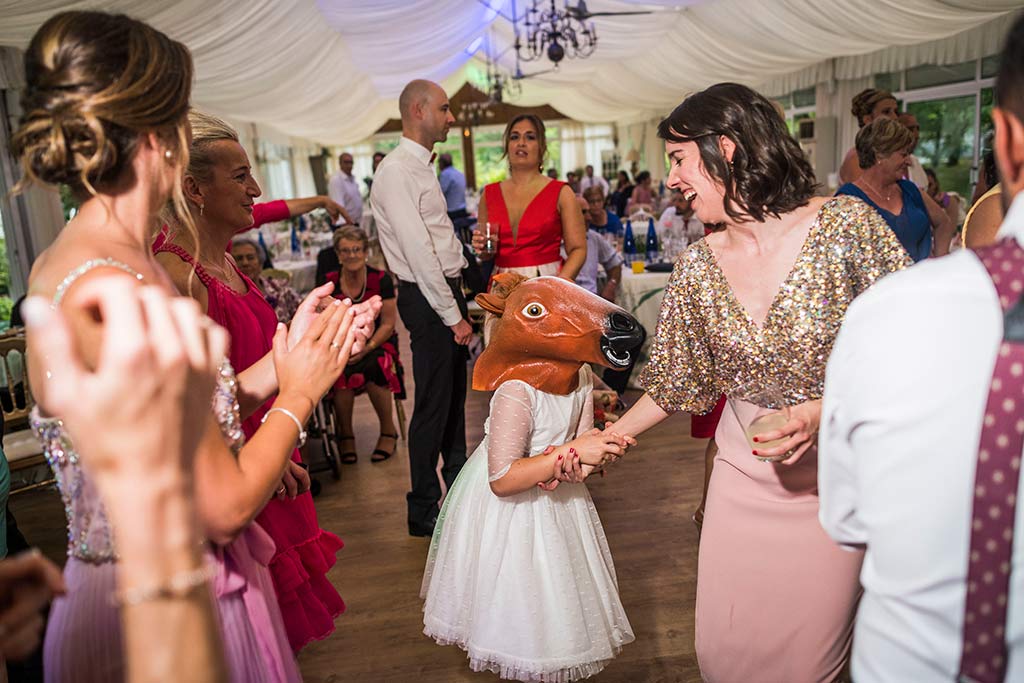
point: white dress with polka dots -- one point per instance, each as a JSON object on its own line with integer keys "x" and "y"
{"x": 525, "y": 584}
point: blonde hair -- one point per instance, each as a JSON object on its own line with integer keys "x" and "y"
{"x": 96, "y": 83}
{"x": 206, "y": 130}
{"x": 881, "y": 138}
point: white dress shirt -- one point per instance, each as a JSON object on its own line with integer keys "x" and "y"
{"x": 916, "y": 174}
{"x": 905, "y": 390}
{"x": 344, "y": 189}
{"x": 588, "y": 181}
{"x": 415, "y": 232}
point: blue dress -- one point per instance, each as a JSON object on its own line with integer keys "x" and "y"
{"x": 912, "y": 226}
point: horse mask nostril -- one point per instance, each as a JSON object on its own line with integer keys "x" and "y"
{"x": 620, "y": 322}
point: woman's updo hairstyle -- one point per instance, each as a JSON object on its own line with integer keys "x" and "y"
{"x": 96, "y": 82}
{"x": 863, "y": 103}
{"x": 768, "y": 175}
{"x": 206, "y": 130}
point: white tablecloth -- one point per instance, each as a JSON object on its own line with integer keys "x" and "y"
{"x": 303, "y": 274}
{"x": 641, "y": 295}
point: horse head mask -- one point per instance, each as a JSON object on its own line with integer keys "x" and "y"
{"x": 546, "y": 329}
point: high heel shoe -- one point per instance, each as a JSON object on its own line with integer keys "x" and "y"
{"x": 379, "y": 454}
{"x": 348, "y": 457}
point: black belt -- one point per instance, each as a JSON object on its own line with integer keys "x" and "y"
{"x": 454, "y": 282}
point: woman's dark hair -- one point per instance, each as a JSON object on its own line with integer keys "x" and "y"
{"x": 538, "y": 126}
{"x": 769, "y": 174}
{"x": 930, "y": 172}
{"x": 624, "y": 176}
{"x": 96, "y": 82}
{"x": 642, "y": 176}
{"x": 880, "y": 138}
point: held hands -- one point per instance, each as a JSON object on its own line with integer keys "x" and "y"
{"x": 801, "y": 430}
{"x": 582, "y": 456}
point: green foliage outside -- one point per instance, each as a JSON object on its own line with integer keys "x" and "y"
{"x": 947, "y": 140}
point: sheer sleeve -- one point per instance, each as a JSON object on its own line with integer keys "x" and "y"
{"x": 587, "y": 415}
{"x": 871, "y": 248}
{"x": 510, "y": 428}
{"x": 679, "y": 374}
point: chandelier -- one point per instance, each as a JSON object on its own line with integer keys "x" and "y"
{"x": 555, "y": 33}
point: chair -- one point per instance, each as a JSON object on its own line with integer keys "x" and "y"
{"x": 21, "y": 447}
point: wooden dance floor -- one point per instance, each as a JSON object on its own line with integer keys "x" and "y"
{"x": 645, "y": 503}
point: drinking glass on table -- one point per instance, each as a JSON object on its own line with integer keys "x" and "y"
{"x": 760, "y": 409}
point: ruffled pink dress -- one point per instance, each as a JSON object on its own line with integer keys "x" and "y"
{"x": 305, "y": 552}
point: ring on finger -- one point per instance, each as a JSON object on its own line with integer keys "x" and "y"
{"x": 335, "y": 345}
{"x": 280, "y": 490}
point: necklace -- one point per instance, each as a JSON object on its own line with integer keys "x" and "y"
{"x": 878, "y": 193}
{"x": 362, "y": 292}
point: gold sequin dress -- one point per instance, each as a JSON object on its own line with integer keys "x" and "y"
{"x": 775, "y": 596}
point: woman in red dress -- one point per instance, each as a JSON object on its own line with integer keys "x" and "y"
{"x": 219, "y": 183}
{"x": 530, "y": 215}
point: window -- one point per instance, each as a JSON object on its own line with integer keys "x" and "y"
{"x": 888, "y": 81}
{"x": 947, "y": 140}
{"x": 804, "y": 98}
{"x": 989, "y": 66}
{"x": 928, "y": 75}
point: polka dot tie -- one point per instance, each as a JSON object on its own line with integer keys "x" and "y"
{"x": 995, "y": 483}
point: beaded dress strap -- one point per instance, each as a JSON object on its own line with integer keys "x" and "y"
{"x": 81, "y": 270}
{"x": 203, "y": 275}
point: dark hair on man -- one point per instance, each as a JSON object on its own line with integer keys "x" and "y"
{"x": 1010, "y": 76}
{"x": 769, "y": 174}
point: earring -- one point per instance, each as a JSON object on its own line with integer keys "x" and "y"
{"x": 167, "y": 154}
{"x": 201, "y": 207}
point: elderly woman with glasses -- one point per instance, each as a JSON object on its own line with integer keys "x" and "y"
{"x": 376, "y": 369}
{"x": 249, "y": 257}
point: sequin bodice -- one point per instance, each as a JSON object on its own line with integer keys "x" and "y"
{"x": 90, "y": 537}
{"x": 706, "y": 344}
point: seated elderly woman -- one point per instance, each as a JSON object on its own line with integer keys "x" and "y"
{"x": 883, "y": 152}
{"x": 250, "y": 257}
{"x": 376, "y": 370}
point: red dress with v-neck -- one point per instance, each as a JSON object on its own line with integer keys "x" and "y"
{"x": 304, "y": 552}
{"x": 538, "y": 239}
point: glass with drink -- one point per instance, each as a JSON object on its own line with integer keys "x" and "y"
{"x": 491, "y": 238}
{"x": 760, "y": 409}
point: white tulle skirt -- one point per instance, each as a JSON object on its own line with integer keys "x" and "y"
{"x": 524, "y": 584}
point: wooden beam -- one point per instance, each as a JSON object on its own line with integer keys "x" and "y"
{"x": 468, "y": 158}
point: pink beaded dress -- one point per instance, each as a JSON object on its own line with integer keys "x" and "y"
{"x": 83, "y": 636}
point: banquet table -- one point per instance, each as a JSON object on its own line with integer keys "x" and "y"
{"x": 641, "y": 295}
{"x": 303, "y": 273}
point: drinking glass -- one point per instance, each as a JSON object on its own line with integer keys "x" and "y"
{"x": 751, "y": 404}
{"x": 491, "y": 238}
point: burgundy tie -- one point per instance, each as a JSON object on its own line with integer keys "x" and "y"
{"x": 995, "y": 482}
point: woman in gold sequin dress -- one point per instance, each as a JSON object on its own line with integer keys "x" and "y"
{"x": 760, "y": 302}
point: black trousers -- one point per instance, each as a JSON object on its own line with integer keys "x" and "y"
{"x": 438, "y": 424}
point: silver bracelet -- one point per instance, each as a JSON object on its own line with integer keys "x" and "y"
{"x": 177, "y": 586}
{"x": 298, "y": 423}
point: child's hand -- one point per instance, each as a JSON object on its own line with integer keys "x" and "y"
{"x": 599, "y": 448}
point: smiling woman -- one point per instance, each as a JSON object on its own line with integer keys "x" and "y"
{"x": 754, "y": 305}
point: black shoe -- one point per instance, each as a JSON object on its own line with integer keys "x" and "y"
{"x": 420, "y": 529}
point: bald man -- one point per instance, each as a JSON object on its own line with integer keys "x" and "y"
{"x": 425, "y": 255}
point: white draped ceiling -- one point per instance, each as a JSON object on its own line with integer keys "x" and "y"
{"x": 331, "y": 70}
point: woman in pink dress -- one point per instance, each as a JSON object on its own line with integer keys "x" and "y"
{"x": 218, "y": 180}
{"x": 122, "y": 148}
{"x": 759, "y": 303}
{"x": 531, "y": 213}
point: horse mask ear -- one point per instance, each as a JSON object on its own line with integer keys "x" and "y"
{"x": 501, "y": 288}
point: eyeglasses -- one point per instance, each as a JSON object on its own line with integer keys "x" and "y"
{"x": 351, "y": 251}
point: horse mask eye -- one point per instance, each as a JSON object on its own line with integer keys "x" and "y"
{"x": 534, "y": 310}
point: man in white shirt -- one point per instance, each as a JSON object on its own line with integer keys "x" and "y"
{"x": 915, "y": 172}
{"x": 906, "y": 409}
{"x": 426, "y": 257}
{"x": 344, "y": 189}
{"x": 589, "y": 180}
